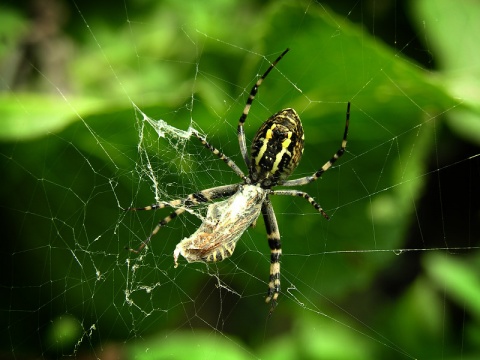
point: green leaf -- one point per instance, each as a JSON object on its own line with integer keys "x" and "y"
{"x": 188, "y": 345}
{"x": 25, "y": 116}
{"x": 451, "y": 30}
{"x": 458, "y": 277}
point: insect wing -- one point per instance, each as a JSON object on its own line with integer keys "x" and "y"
{"x": 224, "y": 224}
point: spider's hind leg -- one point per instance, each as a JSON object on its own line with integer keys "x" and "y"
{"x": 273, "y": 236}
{"x": 311, "y": 200}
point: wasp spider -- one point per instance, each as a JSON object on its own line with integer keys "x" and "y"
{"x": 276, "y": 151}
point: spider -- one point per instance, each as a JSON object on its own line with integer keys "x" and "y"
{"x": 276, "y": 151}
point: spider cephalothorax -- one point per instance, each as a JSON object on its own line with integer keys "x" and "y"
{"x": 276, "y": 151}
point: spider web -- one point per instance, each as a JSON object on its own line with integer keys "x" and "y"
{"x": 105, "y": 124}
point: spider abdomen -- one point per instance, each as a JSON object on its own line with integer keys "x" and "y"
{"x": 277, "y": 148}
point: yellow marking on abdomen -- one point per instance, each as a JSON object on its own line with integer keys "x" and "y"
{"x": 285, "y": 144}
{"x": 261, "y": 151}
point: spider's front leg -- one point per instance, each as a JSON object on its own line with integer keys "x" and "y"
{"x": 182, "y": 204}
{"x": 162, "y": 222}
{"x": 273, "y": 236}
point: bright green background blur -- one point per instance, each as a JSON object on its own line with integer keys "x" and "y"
{"x": 394, "y": 274}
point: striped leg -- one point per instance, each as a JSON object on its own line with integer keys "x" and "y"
{"x": 273, "y": 236}
{"x": 221, "y": 156}
{"x": 307, "y": 197}
{"x": 243, "y": 117}
{"x": 308, "y": 179}
{"x": 191, "y": 200}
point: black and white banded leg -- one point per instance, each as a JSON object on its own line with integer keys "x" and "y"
{"x": 304, "y": 195}
{"x": 182, "y": 204}
{"x": 246, "y": 110}
{"x": 221, "y": 156}
{"x": 274, "y": 242}
{"x": 308, "y": 179}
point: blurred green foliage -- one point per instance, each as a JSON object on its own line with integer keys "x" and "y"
{"x": 351, "y": 287}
